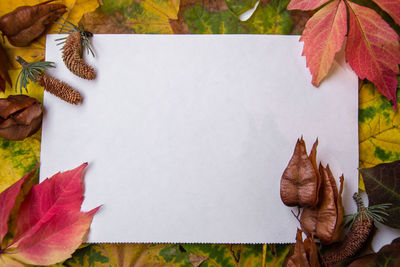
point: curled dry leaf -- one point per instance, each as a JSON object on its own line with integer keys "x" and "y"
{"x": 300, "y": 181}
{"x": 297, "y": 256}
{"x": 20, "y": 117}
{"x": 4, "y": 66}
{"x": 325, "y": 220}
{"x": 26, "y": 23}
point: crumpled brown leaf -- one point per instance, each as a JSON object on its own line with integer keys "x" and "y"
{"x": 20, "y": 117}
{"x": 325, "y": 220}
{"x": 4, "y": 66}
{"x": 300, "y": 181}
{"x": 26, "y": 23}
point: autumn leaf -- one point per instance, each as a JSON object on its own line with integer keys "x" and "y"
{"x": 306, "y": 4}
{"x": 323, "y": 37}
{"x": 383, "y": 187}
{"x": 373, "y": 49}
{"x": 392, "y": 7}
{"x": 297, "y": 256}
{"x": 50, "y": 225}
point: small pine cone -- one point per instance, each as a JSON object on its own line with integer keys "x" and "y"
{"x": 354, "y": 239}
{"x": 72, "y": 58}
{"x": 59, "y": 89}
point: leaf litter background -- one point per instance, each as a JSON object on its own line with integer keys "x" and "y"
{"x": 379, "y": 125}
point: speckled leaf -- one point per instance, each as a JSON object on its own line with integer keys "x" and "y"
{"x": 271, "y": 17}
{"x": 238, "y": 7}
{"x": 275, "y": 254}
{"x": 379, "y": 129}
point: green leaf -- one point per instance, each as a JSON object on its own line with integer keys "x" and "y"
{"x": 238, "y": 7}
{"x": 382, "y": 186}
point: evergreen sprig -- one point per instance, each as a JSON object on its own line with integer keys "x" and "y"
{"x": 30, "y": 72}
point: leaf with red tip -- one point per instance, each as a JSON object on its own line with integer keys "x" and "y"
{"x": 392, "y": 7}
{"x": 306, "y": 4}
{"x": 8, "y": 198}
{"x": 373, "y": 49}
{"x": 323, "y": 37}
{"x": 62, "y": 192}
{"x": 54, "y": 239}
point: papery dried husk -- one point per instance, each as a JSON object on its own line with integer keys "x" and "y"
{"x": 297, "y": 256}
{"x": 20, "y": 117}
{"x": 300, "y": 182}
{"x": 325, "y": 220}
{"x": 4, "y": 66}
{"x": 27, "y": 23}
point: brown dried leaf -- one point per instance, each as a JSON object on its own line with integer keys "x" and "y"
{"x": 297, "y": 256}
{"x": 325, "y": 220}
{"x": 4, "y": 66}
{"x": 20, "y": 117}
{"x": 312, "y": 252}
{"x": 26, "y": 23}
{"x": 300, "y": 182}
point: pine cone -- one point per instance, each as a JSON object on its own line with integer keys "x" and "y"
{"x": 59, "y": 89}
{"x": 354, "y": 240}
{"x": 72, "y": 57}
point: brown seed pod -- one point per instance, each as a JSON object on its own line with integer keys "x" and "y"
{"x": 4, "y": 66}
{"x": 300, "y": 181}
{"x": 354, "y": 239}
{"x": 20, "y": 116}
{"x": 59, "y": 89}
{"x": 72, "y": 57}
{"x": 26, "y": 23}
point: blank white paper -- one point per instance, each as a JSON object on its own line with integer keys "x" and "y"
{"x": 187, "y": 136}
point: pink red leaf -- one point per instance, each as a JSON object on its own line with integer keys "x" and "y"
{"x": 55, "y": 239}
{"x": 62, "y": 192}
{"x": 8, "y": 199}
{"x": 392, "y": 7}
{"x": 5, "y": 260}
{"x": 323, "y": 37}
{"x": 306, "y": 4}
{"x": 373, "y": 49}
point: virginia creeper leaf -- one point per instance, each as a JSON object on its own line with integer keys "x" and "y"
{"x": 323, "y": 37}
{"x": 382, "y": 186}
{"x": 299, "y": 183}
{"x": 392, "y": 7}
{"x": 7, "y": 200}
{"x": 306, "y": 4}
{"x": 373, "y": 50}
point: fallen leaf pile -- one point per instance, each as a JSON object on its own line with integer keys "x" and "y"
{"x": 43, "y": 224}
{"x": 20, "y": 116}
{"x": 26, "y": 23}
{"x": 372, "y": 47}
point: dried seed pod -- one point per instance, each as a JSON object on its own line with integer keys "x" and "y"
{"x": 75, "y": 43}
{"x": 20, "y": 116}
{"x": 4, "y": 66}
{"x": 26, "y": 23}
{"x": 297, "y": 256}
{"x": 72, "y": 57}
{"x": 354, "y": 239}
{"x": 300, "y": 182}
{"x": 36, "y": 71}
{"x": 59, "y": 89}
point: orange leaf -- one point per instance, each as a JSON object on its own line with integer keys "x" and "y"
{"x": 373, "y": 50}
{"x": 323, "y": 37}
{"x": 392, "y": 7}
{"x": 305, "y": 4}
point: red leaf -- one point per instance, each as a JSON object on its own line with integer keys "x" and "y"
{"x": 305, "y": 4}
{"x": 373, "y": 50}
{"x": 323, "y": 37}
{"x": 7, "y": 201}
{"x": 392, "y": 7}
{"x": 54, "y": 239}
{"x": 62, "y": 192}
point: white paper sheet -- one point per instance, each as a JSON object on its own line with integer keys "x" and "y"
{"x": 187, "y": 136}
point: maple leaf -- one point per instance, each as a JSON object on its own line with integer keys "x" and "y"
{"x": 373, "y": 49}
{"x": 50, "y": 225}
